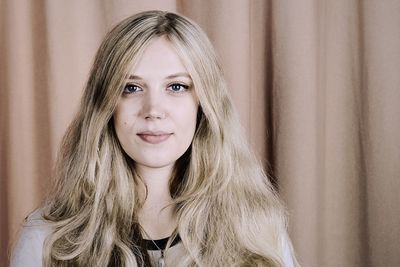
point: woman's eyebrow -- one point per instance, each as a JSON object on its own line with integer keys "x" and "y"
{"x": 179, "y": 74}
{"x": 171, "y": 76}
{"x": 134, "y": 77}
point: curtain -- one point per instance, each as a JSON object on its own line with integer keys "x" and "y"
{"x": 316, "y": 84}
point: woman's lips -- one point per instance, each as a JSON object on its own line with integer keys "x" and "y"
{"x": 154, "y": 137}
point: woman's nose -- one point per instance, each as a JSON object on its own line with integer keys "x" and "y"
{"x": 153, "y": 107}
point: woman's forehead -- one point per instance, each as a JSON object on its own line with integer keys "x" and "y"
{"x": 158, "y": 59}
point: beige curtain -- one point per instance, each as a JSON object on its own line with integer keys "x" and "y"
{"x": 316, "y": 84}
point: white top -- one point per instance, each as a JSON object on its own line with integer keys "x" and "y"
{"x": 29, "y": 248}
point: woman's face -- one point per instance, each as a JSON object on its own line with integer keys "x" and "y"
{"x": 155, "y": 118}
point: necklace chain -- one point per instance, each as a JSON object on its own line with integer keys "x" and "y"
{"x": 161, "y": 260}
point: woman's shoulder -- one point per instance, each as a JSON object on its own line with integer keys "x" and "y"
{"x": 288, "y": 258}
{"x": 28, "y": 250}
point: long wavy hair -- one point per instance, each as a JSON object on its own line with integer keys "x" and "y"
{"x": 228, "y": 212}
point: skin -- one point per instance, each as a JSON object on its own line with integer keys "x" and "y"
{"x": 155, "y": 121}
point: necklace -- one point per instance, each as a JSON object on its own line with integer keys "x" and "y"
{"x": 161, "y": 260}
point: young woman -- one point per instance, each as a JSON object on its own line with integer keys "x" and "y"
{"x": 154, "y": 170}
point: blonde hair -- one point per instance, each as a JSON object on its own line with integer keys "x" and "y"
{"x": 228, "y": 212}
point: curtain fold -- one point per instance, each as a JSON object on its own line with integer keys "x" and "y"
{"x": 316, "y": 84}
{"x": 381, "y": 116}
{"x": 297, "y": 107}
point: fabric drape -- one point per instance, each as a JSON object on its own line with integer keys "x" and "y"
{"x": 316, "y": 84}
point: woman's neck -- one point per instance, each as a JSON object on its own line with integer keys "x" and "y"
{"x": 157, "y": 215}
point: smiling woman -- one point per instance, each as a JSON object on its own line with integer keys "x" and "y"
{"x": 155, "y": 119}
{"x": 154, "y": 170}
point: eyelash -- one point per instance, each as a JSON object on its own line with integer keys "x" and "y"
{"x": 184, "y": 86}
{"x": 129, "y": 86}
{"x": 128, "y": 91}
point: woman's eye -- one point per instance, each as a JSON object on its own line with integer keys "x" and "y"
{"x": 131, "y": 88}
{"x": 177, "y": 87}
